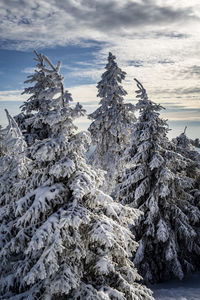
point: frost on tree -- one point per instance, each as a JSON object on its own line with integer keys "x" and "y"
{"x": 46, "y": 94}
{"x": 13, "y": 161}
{"x": 13, "y": 146}
{"x": 13, "y": 170}
{"x": 112, "y": 122}
{"x": 2, "y": 147}
{"x": 184, "y": 146}
{"x": 156, "y": 182}
{"x": 195, "y": 142}
{"x": 69, "y": 239}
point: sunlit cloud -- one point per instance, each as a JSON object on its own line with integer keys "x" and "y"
{"x": 12, "y": 96}
{"x": 36, "y": 24}
{"x": 28, "y": 70}
{"x": 155, "y": 41}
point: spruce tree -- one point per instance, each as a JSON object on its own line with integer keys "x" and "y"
{"x": 112, "y": 122}
{"x": 183, "y": 145}
{"x": 156, "y": 182}
{"x": 13, "y": 146}
{"x": 13, "y": 170}
{"x": 195, "y": 142}
{"x": 48, "y": 85}
{"x": 69, "y": 239}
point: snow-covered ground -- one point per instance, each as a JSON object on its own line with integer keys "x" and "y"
{"x": 186, "y": 289}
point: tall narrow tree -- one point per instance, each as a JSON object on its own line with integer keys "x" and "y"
{"x": 112, "y": 122}
{"x": 156, "y": 182}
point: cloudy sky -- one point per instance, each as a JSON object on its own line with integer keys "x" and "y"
{"x": 156, "y": 41}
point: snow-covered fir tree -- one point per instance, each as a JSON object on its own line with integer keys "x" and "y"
{"x": 2, "y": 148}
{"x": 156, "y": 182}
{"x": 13, "y": 139}
{"x": 68, "y": 239}
{"x": 112, "y": 122}
{"x": 13, "y": 160}
{"x": 13, "y": 170}
{"x": 183, "y": 141}
{"x": 195, "y": 142}
{"x": 48, "y": 86}
{"x": 183, "y": 145}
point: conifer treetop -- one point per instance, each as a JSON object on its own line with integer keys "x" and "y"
{"x": 48, "y": 105}
{"x": 48, "y": 85}
{"x": 142, "y": 91}
{"x": 112, "y": 121}
{"x": 150, "y": 127}
{"x": 144, "y": 101}
{"x": 109, "y": 88}
{"x": 185, "y": 147}
{"x": 183, "y": 141}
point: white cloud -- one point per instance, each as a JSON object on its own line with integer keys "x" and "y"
{"x": 84, "y": 93}
{"x": 28, "y": 70}
{"x": 155, "y": 41}
{"x": 12, "y": 96}
{"x": 38, "y": 23}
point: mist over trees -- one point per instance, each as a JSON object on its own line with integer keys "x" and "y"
{"x": 97, "y": 228}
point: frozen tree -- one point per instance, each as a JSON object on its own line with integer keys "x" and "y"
{"x": 13, "y": 169}
{"x": 195, "y": 142}
{"x": 156, "y": 182}
{"x": 69, "y": 240}
{"x": 13, "y": 138}
{"x": 46, "y": 94}
{"x": 183, "y": 145}
{"x": 13, "y": 145}
{"x": 112, "y": 122}
{"x": 12, "y": 162}
{"x": 2, "y": 148}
